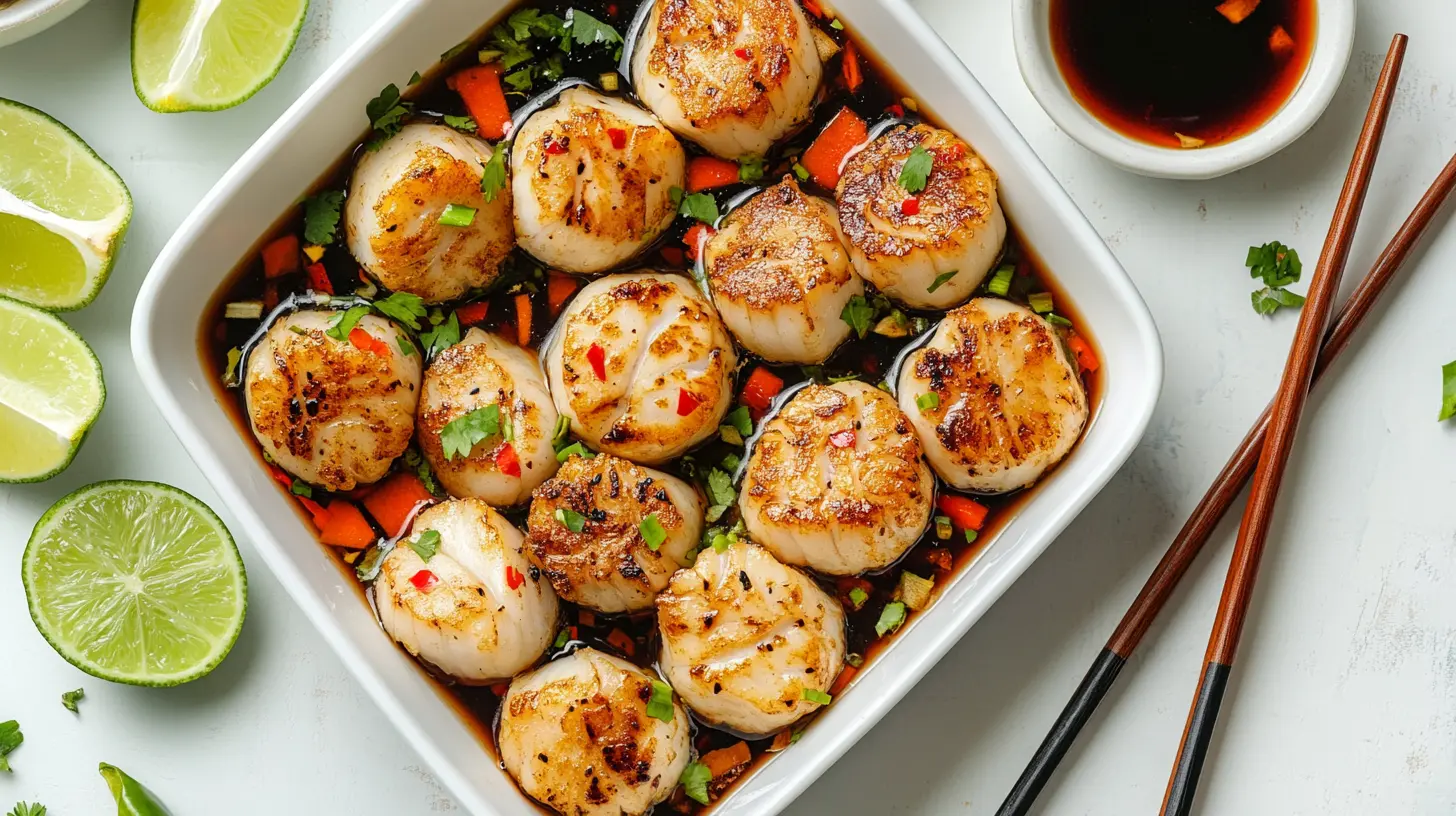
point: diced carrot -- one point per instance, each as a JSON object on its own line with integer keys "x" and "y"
{"x": 940, "y": 559}
{"x": 479, "y": 87}
{"x": 281, "y": 257}
{"x": 346, "y": 527}
{"x": 394, "y": 503}
{"x": 694, "y": 238}
{"x": 1236, "y": 11}
{"x": 280, "y": 476}
{"x": 586, "y": 617}
{"x": 364, "y": 341}
{"x": 318, "y": 511}
{"x": 762, "y": 386}
{"x": 813, "y": 8}
{"x": 1086, "y": 357}
{"x": 318, "y": 279}
{"x": 523, "y": 319}
{"x": 707, "y": 172}
{"x": 849, "y": 67}
{"x": 825, "y": 157}
{"x": 842, "y": 681}
{"x": 723, "y": 760}
{"x": 622, "y": 642}
{"x": 967, "y": 514}
{"x": 559, "y": 289}
{"x": 1280, "y": 43}
{"x": 472, "y": 313}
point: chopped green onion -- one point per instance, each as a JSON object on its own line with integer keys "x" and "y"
{"x": 800, "y": 172}
{"x": 608, "y": 81}
{"x": 731, "y": 462}
{"x": 1448, "y": 392}
{"x": 971, "y": 536}
{"x": 243, "y": 310}
{"x": 660, "y": 706}
{"x": 1058, "y": 320}
{"x": 814, "y": 695}
{"x": 928, "y": 401}
{"x": 695, "y": 779}
{"x": 836, "y": 25}
{"x": 730, "y": 434}
{"x": 562, "y": 638}
{"x": 857, "y": 598}
{"x": 891, "y": 618}
{"x": 230, "y": 368}
{"x": 721, "y": 542}
{"x": 854, "y": 659}
{"x": 574, "y": 449}
{"x": 1001, "y": 282}
{"x": 456, "y": 215}
{"x": 561, "y": 432}
{"x": 301, "y": 488}
{"x": 1040, "y": 302}
{"x": 570, "y": 519}
{"x": 943, "y": 528}
{"x": 941, "y": 279}
{"x": 652, "y": 532}
{"x": 798, "y": 735}
{"x": 914, "y": 590}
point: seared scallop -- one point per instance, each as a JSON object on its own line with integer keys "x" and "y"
{"x": 460, "y": 595}
{"x": 747, "y": 640}
{"x": 334, "y": 413}
{"x": 836, "y": 482}
{"x": 780, "y": 275}
{"x": 735, "y": 76}
{"x": 577, "y": 736}
{"x": 1009, "y": 402}
{"x": 609, "y": 534}
{"x": 642, "y": 366}
{"x": 928, "y": 249}
{"x": 480, "y": 378}
{"x": 396, "y": 199}
{"x": 593, "y": 179}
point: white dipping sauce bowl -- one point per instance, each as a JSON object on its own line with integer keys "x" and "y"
{"x": 25, "y": 18}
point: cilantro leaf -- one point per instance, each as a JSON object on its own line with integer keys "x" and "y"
{"x": 385, "y": 112}
{"x": 455, "y": 51}
{"x": 859, "y": 314}
{"x": 426, "y": 545}
{"x": 695, "y": 779}
{"x": 720, "y": 487}
{"x": 345, "y": 321}
{"x": 415, "y": 78}
{"x": 940, "y": 280}
{"x": 10, "y": 739}
{"x": 659, "y": 707}
{"x": 510, "y": 52}
{"x": 1448, "y": 392}
{"x": 529, "y": 22}
{"x": 493, "y": 175}
{"x": 701, "y": 206}
{"x": 403, "y": 307}
{"x": 586, "y": 29}
{"x": 461, "y": 123}
{"x": 523, "y": 79}
{"x": 1271, "y": 298}
{"x": 321, "y": 217}
{"x": 443, "y": 336}
{"x": 69, "y": 699}
{"x": 916, "y": 170}
{"x": 23, "y": 809}
{"x": 462, "y": 434}
{"x": 741, "y": 420}
{"x": 421, "y": 468}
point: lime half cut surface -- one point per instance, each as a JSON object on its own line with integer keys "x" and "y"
{"x": 209, "y": 54}
{"x": 50, "y": 392}
{"x": 135, "y": 582}
{"x": 63, "y": 212}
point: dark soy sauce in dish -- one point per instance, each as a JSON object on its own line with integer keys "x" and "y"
{"x": 498, "y": 310}
{"x": 1155, "y": 69}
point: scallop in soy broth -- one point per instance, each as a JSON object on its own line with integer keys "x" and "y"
{"x": 1183, "y": 73}
{"x": 485, "y": 408}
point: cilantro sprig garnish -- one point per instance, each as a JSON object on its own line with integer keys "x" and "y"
{"x": 386, "y": 113}
{"x": 10, "y": 739}
{"x": 321, "y": 217}
{"x": 493, "y": 175}
{"x": 701, "y": 206}
{"x": 462, "y": 434}
{"x": 916, "y": 170}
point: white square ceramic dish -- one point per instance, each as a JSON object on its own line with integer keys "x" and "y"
{"x": 327, "y": 120}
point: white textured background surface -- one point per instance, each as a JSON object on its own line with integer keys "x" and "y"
{"x": 1344, "y": 699}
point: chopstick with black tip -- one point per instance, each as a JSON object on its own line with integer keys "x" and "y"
{"x": 1243, "y": 572}
{"x": 1190, "y": 540}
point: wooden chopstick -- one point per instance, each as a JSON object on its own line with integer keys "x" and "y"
{"x": 1289, "y": 403}
{"x": 1211, "y": 508}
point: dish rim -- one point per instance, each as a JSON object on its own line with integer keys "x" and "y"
{"x": 248, "y": 493}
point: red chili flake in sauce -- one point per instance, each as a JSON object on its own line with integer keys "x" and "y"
{"x": 424, "y": 580}
{"x": 514, "y": 578}
{"x": 842, "y": 439}
{"x": 895, "y": 110}
{"x": 741, "y": 53}
{"x": 598, "y": 359}
{"x": 686, "y": 403}
{"x": 910, "y": 206}
{"x": 506, "y": 460}
{"x": 554, "y": 147}
{"x": 619, "y": 137}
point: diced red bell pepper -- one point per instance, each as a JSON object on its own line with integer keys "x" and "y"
{"x": 910, "y": 206}
{"x": 424, "y": 580}
{"x": 686, "y": 403}
{"x": 762, "y": 386}
{"x": 598, "y": 359}
{"x": 318, "y": 279}
{"x": 618, "y": 137}
{"x": 506, "y": 460}
{"x": 514, "y": 578}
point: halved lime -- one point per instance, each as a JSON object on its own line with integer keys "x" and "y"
{"x": 135, "y": 582}
{"x": 209, "y": 54}
{"x": 63, "y": 212}
{"x": 50, "y": 392}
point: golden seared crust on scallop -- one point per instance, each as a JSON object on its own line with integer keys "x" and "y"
{"x": 582, "y": 202}
{"x": 836, "y": 482}
{"x": 328, "y": 412}
{"x": 958, "y": 226}
{"x": 780, "y": 275}
{"x": 744, "y": 636}
{"x": 392, "y": 218}
{"x": 480, "y": 613}
{"x": 576, "y": 736}
{"x": 609, "y": 566}
{"x": 1011, "y": 401}
{"x": 732, "y": 75}
{"x": 661, "y": 349}
{"x": 480, "y": 371}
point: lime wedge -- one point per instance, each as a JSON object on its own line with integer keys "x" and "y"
{"x": 209, "y": 54}
{"x": 50, "y": 393}
{"x": 135, "y": 582}
{"x": 63, "y": 212}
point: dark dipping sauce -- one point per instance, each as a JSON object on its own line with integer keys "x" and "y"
{"x": 880, "y": 99}
{"x": 1154, "y": 69}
